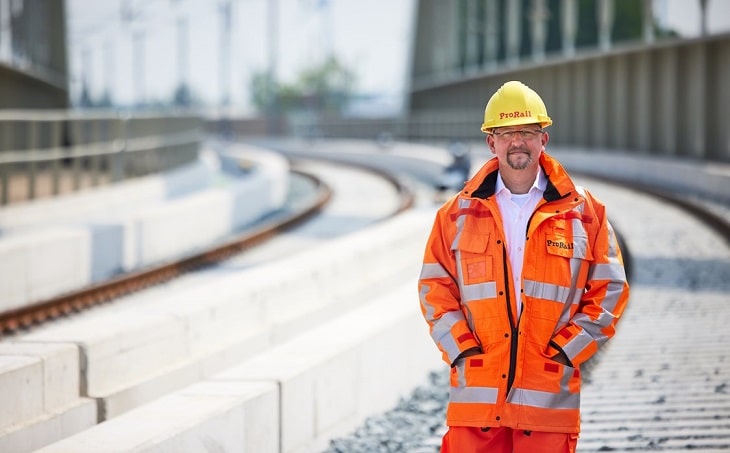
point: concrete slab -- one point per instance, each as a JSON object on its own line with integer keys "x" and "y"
{"x": 117, "y": 349}
{"x": 13, "y": 273}
{"x": 210, "y": 416}
{"x": 99, "y": 202}
{"x": 59, "y": 370}
{"x": 176, "y": 377}
{"x": 38, "y": 432}
{"x": 21, "y": 381}
{"x": 31, "y": 261}
{"x": 325, "y": 388}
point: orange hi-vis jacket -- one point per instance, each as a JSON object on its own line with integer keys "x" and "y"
{"x": 574, "y": 291}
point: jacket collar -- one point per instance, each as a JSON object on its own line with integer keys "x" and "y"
{"x": 559, "y": 184}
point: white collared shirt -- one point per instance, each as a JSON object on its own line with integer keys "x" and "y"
{"x": 516, "y": 210}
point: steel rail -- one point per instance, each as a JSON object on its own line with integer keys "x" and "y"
{"x": 24, "y": 317}
{"x": 718, "y": 223}
{"x": 75, "y": 301}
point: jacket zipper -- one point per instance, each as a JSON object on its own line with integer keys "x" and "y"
{"x": 513, "y": 327}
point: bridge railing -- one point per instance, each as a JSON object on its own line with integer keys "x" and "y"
{"x": 46, "y": 152}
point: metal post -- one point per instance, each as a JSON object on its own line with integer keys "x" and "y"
{"x": 539, "y": 17}
{"x": 492, "y": 32}
{"x": 32, "y": 150}
{"x": 271, "y": 82}
{"x": 648, "y": 21}
{"x": 569, "y": 26}
{"x": 6, "y": 169}
{"x": 55, "y": 144}
{"x": 76, "y": 160}
{"x": 225, "y": 50}
{"x": 703, "y": 17}
{"x": 514, "y": 31}
{"x": 95, "y": 136}
{"x": 605, "y": 23}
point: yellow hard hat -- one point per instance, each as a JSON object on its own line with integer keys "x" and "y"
{"x": 513, "y": 104}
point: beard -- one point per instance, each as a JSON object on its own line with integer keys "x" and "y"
{"x": 519, "y": 158}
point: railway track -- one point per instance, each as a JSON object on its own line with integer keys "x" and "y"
{"x": 128, "y": 283}
{"x": 21, "y": 318}
{"x": 604, "y": 426}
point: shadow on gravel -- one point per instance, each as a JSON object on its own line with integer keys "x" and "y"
{"x": 695, "y": 275}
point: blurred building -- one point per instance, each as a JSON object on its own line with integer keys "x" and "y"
{"x": 33, "y": 57}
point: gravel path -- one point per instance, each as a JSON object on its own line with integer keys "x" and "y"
{"x": 662, "y": 384}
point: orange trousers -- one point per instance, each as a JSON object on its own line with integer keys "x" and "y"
{"x": 465, "y": 439}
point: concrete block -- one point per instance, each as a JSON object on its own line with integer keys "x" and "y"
{"x": 249, "y": 201}
{"x": 191, "y": 177}
{"x": 59, "y": 370}
{"x": 21, "y": 381}
{"x": 270, "y": 167}
{"x": 178, "y": 376}
{"x": 107, "y": 250}
{"x": 46, "y": 249}
{"x": 119, "y": 348}
{"x": 29, "y": 265}
{"x": 325, "y": 387}
{"x": 38, "y": 432}
{"x": 226, "y": 417}
{"x": 296, "y": 377}
{"x": 182, "y": 226}
{"x": 13, "y": 272}
{"x": 101, "y": 202}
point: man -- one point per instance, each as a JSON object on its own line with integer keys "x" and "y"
{"x": 522, "y": 281}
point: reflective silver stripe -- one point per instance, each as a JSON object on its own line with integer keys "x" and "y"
{"x": 463, "y": 204}
{"x": 484, "y": 395}
{"x": 427, "y": 307}
{"x": 536, "y": 398}
{"x": 580, "y": 239}
{"x": 460, "y": 367}
{"x": 614, "y": 291}
{"x": 546, "y": 400}
{"x": 612, "y": 241}
{"x": 433, "y": 270}
{"x": 486, "y": 290}
{"x": 575, "y": 267}
{"x": 610, "y": 271}
{"x": 571, "y": 295}
{"x": 555, "y": 293}
{"x": 448, "y": 345}
{"x": 581, "y": 341}
{"x": 441, "y": 333}
{"x": 577, "y": 289}
{"x": 445, "y": 323}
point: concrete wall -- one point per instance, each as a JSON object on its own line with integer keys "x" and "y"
{"x": 669, "y": 98}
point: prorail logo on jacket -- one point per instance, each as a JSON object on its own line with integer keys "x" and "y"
{"x": 560, "y": 244}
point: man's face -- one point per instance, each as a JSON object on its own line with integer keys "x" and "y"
{"x": 518, "y": 146}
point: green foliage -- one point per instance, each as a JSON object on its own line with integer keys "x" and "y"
{"x": 324, "y": 88}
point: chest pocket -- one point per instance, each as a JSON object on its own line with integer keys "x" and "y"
{"x": 476, "y": 264}
{"x": 558, "y": 243}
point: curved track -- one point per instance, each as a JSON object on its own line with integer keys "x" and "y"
{"x": 47, "y": 310}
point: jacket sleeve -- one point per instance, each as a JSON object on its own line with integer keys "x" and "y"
{"x": 605, "y": 297}
{"x": 439, "y": 294}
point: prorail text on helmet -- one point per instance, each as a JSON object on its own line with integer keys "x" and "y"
{"x": 515, "y": 114}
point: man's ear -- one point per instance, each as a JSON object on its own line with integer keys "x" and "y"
{"x": 490, "y": 144}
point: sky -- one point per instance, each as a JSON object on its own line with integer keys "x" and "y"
{"x": 370, "y": 36}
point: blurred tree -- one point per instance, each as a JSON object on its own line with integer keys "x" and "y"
{"x": 182, "y": 96}
{"x": 326, "y": 88}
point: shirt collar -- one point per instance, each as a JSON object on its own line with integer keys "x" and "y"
{"x": 540, "y": 183}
